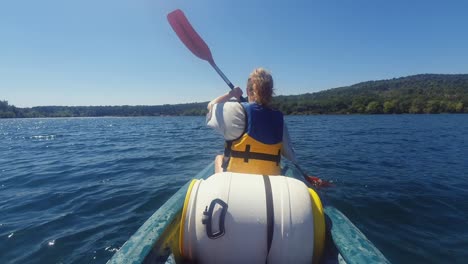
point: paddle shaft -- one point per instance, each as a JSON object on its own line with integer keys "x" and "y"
{"x": 222, "y": 75}
{"x": 300, "y": 170}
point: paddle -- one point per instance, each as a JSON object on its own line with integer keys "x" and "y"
{"x": 199, "y": 48}
{"x": 194, "y": 42}
{"x": 314, "y": 181}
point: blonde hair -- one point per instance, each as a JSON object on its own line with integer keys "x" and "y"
{"x": 260, "y": 83}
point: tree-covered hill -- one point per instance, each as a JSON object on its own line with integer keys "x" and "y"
{"x": 425, "y": 93}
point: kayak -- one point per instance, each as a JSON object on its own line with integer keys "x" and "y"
{"x": 158, "y": 239}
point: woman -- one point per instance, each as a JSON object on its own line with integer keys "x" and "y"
{"x": 255, "y": 134}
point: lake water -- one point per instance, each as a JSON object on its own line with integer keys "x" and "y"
{"x": 74, "y": 190}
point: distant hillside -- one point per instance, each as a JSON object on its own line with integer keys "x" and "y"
{"x": 424, "y": 93}
{"x": 9, "y": 111}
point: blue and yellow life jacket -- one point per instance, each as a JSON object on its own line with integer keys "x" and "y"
{"x": 258, "y": 149}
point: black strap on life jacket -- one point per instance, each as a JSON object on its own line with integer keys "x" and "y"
{"x": 227, "y": 154}
{"x": 228, "y": 143}
{"x": 247, "y": 154}
{"x": 270, "y": 213}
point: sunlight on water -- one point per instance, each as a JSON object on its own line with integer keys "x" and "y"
{"x": 74, "y": 190}
{"x": 44, "y": 137}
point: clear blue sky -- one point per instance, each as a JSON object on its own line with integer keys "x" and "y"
{"x": 118, "y": 52}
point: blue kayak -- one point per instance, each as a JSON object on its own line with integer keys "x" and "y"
{"x": 157, "y": 240}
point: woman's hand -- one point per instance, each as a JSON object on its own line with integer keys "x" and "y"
{"x": 236, "y": 92}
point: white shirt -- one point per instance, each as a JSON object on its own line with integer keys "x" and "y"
{"x": 229, "y": 120}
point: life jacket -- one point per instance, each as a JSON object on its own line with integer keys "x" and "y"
{"x": 258, "y": 149}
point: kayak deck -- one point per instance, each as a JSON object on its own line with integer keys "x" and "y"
{"x": 157, "y": 240}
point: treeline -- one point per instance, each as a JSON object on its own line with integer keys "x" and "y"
{"x": 9, "y": 111}
{"x": 425, "y": 93}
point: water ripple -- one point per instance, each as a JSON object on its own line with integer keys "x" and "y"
{"x": 73, "y": 190}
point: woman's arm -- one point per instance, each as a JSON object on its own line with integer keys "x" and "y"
{"x": 236, "y": 92}
{"x": 228, "y": 119}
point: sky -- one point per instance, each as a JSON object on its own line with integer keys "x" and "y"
{"x": 124, "y": 52}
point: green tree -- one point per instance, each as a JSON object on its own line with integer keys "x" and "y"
{"x": 3, "y": 105}
{"x": 374, "y": 108}
{"x": 390, "y": 107}
{"x": 432, "y": 107}
{"x": 417, "y": 106}
{"x": 459, "y": 107}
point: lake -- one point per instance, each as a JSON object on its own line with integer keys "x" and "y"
{"x": 73, "y": 190}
